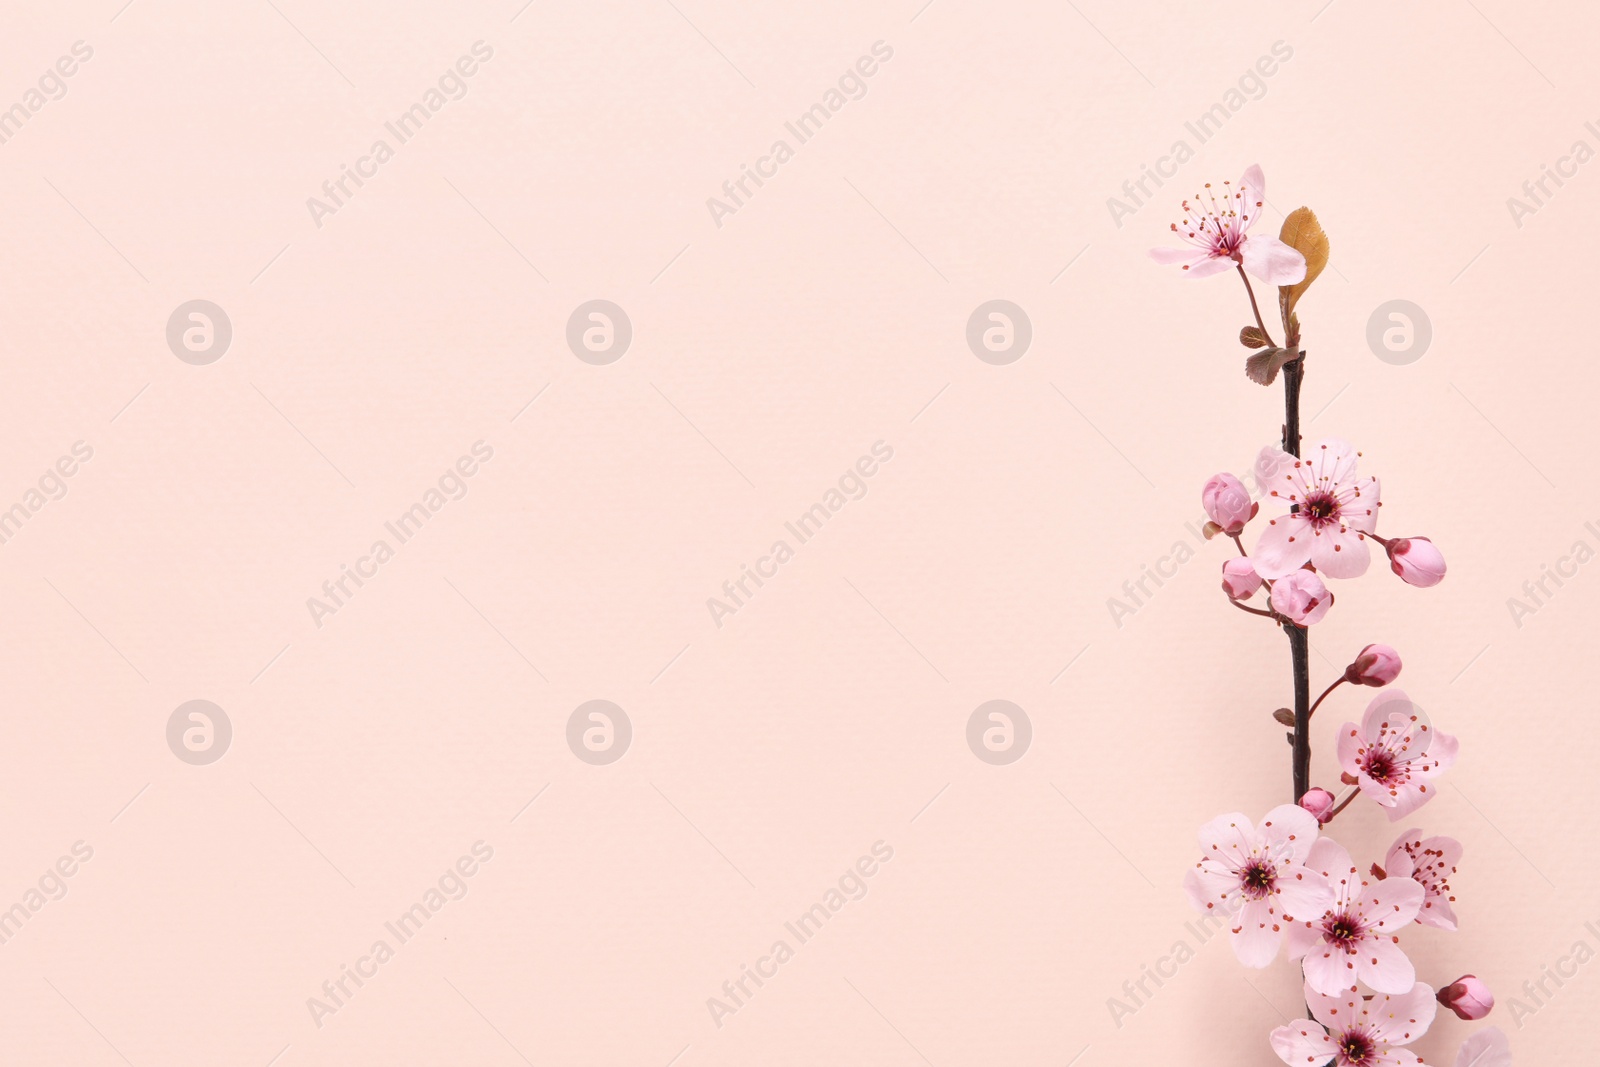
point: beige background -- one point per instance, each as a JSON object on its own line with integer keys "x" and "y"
{"x": 768, "y": 354}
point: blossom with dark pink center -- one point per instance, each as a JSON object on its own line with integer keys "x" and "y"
{"x": 1354, "y": 939}
{"x": 1351, "y": 1031}
{"x": 1395, "y": 754}
{"x": 1330, "y": 507}
{"x": 1429, "y": 862}
{"x": 1256, "y": 878}
{"x": 1215, "y": 227}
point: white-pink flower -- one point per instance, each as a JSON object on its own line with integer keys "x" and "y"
{"x": 1215, "y": 227}
{"x": 1429, "y": 862}
{"x": 1486, "y": 1048}
{"x": 1330, "y": 507}
{"x": 1395, "y": 754}
{"x": 1257, "y": 879}
{"x": 1354, "y": 939}
{"x": 1351, "y": 1031}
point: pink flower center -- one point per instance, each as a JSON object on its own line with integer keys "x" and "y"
{"x": 1257, "y": 879}
{"x": 1322, "y": 508}
{"x": 1344, "y": 930}
{"x": 1216, "y": 224}
{"x": 1357, "y": 1049}
{"x": 1379, "y": 765}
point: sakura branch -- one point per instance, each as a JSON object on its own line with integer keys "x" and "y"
{"x": 1283, "y": 882}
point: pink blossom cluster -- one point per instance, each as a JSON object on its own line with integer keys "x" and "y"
{"x": 1331, "y": 513}
{"x": 1284, "y": 881}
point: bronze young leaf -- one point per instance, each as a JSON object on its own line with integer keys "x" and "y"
{"x": 1253, "y": 337}
{"x": 1262, "y": 368}
{"x": 1303, "y": 233}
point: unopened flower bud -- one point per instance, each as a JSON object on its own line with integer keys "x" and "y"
{"x": 1228, "y": 503}
{"x": 1239, "y": 578}
{"x": 1301, "y": 598}
{"x": 1318, "y": 802}
{"x": 1376, "y": 665}
{"x": 1417, "y": 561}
{"x": 1467, "y": 997}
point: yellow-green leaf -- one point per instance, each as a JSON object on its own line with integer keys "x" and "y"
{"x": 1303, "y": 233}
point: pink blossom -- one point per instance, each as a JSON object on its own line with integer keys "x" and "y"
{"x": 1468, "y": 997}
{"x": 1330, "y": 509}
{"x": 1228, "y": 503}
{"x": 1395, "y": 754}
{"x": 1257, "y": 879}
{"x": 1377, "y": 665}
{"x": 1359, "y": 1032}
{"x": 1429, "y": 862}
{"x": 1486, "y": 1048}
{"x": 1239, "y": 578}
{"x": 1215, "y": 227}
{"x": 1319, "y": 802}
{"x": 1417, "y": 561}
{"x": 1354, "y": 938}
{"x": 1301, "y": 598}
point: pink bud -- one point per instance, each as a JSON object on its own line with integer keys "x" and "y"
{"x": 1376, "y": 665}
{"x": 1227, "y": 503}
{"x": 1318, "y": 802}
{"x": 1416, "y": 561}
{"x": 1467, "y": 997}
{"x": 1239, "y": 578}
{"x": 1301, "y": 598}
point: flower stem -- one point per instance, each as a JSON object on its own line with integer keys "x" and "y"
{"x": 1337, "y": 683}
{"x": 1299, "y": 637}
{"x": 1260, "y": 324}
{"x": 1344, "y": 802}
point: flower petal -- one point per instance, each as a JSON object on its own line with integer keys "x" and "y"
{"x": 1283, "y": 547}
{"x": 1330, "y": 970}
{"x": 1329, "y": 859}
{"x": 1392, "y": 904}
{"x": 1211, "y": 265}
{"x": 1486, "y": 1048}
{"x": 1384, "y": 966}
{"x": 1401, "y": 1018}
{"x": 1228, "y": 838}
{"x": 1303, "y": 1043}
{"x": 1272, "y": 261}
{"x": 1253, "y": 194}
{"x": 1257, "y": 935}
{"x": 1335, "y": 1012}
{"x": 1290, "y": 831}
{"x": 1358, "y": 503}
{"x": 1301, "y": 895}
{"x": 1340, "y": 553}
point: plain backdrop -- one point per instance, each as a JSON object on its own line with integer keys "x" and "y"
{"x": 378, "y": 339}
